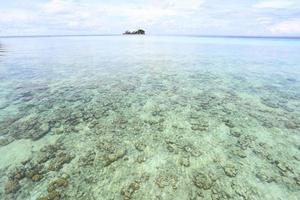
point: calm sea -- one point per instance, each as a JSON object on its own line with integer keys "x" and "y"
{"x": 149, "y": 117}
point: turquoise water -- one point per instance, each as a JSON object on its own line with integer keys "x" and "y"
{"x": 145, "y": 117}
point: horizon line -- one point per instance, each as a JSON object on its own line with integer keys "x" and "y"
{"x": 173, "y": 35}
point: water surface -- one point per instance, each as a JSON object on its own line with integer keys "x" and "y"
{"x": 144, "y": 117}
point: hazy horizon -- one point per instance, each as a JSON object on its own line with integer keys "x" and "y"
{"x": 158, "y": 35}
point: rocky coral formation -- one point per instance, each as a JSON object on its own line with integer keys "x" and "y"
{"x": 140, "y": 146}
{"x": 11, "y": 186}
{"x": 30, "y": 127}
{"x": 185, "y": 161}
{"x": 60, "y": 159}
{"x": 185, "y": 147}
{"x": 128, "y": 191}
{"x": 36, "y": 169}
{"x": 166, "y": 179}
{"x": 110, "y": 152}
{"x": 54, "y": 189}
{"x": 112, "y": 157}
{"x": 230, "y": 170}
{"x": 204, "y": 180}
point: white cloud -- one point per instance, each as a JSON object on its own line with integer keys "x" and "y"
{"x": 274, "y": 4}
{"x": 186, "y": 5}
{"x": 154, "y": 10}
{"x": 19, "y": 16}
{"x": 57, "y": 6}
{"x": 76, "y": 14}
{"x": 264, "y": 20}
{"x": 286, "y": 27}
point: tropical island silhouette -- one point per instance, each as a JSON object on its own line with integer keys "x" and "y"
{"x": 138, "y": 32}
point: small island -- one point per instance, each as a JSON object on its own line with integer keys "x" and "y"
{"x": 138, "y": 32}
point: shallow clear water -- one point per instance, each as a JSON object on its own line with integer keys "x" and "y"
{"x": 118, "y": 117}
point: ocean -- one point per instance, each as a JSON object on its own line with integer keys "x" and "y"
{"x": 149, "y": 117}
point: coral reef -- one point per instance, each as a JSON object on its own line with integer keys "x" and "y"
{"x": 162, "y": 130}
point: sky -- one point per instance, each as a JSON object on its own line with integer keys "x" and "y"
{"x": 194, "y": 17}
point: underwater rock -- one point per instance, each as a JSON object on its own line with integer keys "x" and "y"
{"x": 110, "y": 158}
{"x": 120, "y": 122}
{"x": 26, "y": 95}
{"x": 141, "y": 158}
{"x": 48, "y": 152}
{"x": 157, "y": 112}
{"x": 155, "y": 121}
{"x": 185, "y": 147}
{"x": 29, "y": 170}
{"x": 246, "y": 141}
{"x": 203, "y": 180}
{"x": 230, "y": 170}
{"x": 11, "y": 186}
{"x": 53, "y": 187}
{"x": 128, "y": 191}
{"x": 239, "y": 152}
{"x": 263, "y": 150}
{"x": 219, "y": 194}
{"x": 229, "y": 123}
{"x": 41, "y": 131}
{"x": 54, "y": 195}
{"x": 106, "y": 146}
{"x": 269, "y": 102}
{"x": 5, "y": 124}
{"x": 18, "y": 173}
{"x": 60, "y": 159}
{"x": 291, "y": 125}
{"x": 283, "y": 167}
{"x": 58, "y": 183}
{"x": 140, "y": 146}
{"x": 88, "y": 159}
{"x": 166, "y": 179}
{"x": 297, "y": 179}
{"x": 262, "y": 176}
{"x": 235, "y": 132}
{"x": 36, "y": 177}
{"x": 199, "y": 125}
{"x": 286, "y": 108}
{"x": 185, "y": 161}
{"x": 196, "y": 195}
{"x": 34, "y": 172}
{"x": 192, "y": 150}
{"x": 4, "y": 129}
{"x": 160, "y": 127}
{"x": 195, "y": 115}
{"x": 243, "y": 191}
{"x": 5, "y": 140}
{"x": 296, "y": 157}
{"x": 32, "y": 127}
{"x": 171, "y": 146}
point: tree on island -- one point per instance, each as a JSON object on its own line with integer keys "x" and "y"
{"x": 141, "y": 31}
{"x": 138, "y": 32}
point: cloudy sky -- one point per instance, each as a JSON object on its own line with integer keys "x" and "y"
{"x": 209, "y": 17}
